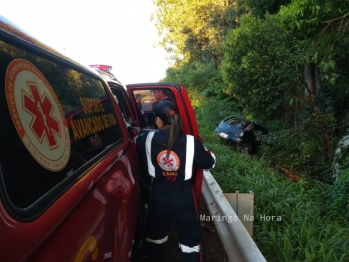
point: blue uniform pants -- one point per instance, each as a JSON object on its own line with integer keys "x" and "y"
{"x": 173, "y": 200}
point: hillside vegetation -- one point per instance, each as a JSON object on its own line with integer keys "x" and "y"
{"x": 293, "y": 221}
{"x": 284, "y": 64}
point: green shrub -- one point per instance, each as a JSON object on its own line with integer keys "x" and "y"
{"x": 339, "y": 196}
{"x": 302, "y": 150}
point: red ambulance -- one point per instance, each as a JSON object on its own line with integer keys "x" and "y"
{"x": 69, "y": 170}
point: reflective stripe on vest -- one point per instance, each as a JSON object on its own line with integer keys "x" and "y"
{"x": 151, "y": 168}
{"x": 189, "y": 158}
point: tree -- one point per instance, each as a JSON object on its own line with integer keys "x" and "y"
{"x": 260, "y": 8}
{"x": 195, "y": 76}
{"x": 323, "y": 47}
{"x": 193, "y": 30}
{"x": 259, "y": 67}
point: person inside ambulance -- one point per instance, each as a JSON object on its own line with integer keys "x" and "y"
{"x": 95, "y": 146}
{"x": 169, "y": 156}
{"x": 159, "y": 95}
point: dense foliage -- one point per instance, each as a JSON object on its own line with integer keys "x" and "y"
{"x": 285, "y": 64}
{"x": 286, "y": 69}
{"x": 312, "y": 217}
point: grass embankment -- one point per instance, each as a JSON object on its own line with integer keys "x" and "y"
{"x": 302, "y": 229}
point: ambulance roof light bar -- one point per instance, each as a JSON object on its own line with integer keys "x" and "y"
{"x": 105, "y": 68}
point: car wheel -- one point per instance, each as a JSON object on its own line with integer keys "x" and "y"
{"x": 245, "y": 148}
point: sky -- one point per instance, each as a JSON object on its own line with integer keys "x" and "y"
{"x": 113, "y": 32}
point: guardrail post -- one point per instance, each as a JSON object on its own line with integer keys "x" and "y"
{"x": 243, "y": 205}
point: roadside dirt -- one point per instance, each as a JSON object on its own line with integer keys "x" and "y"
{"x": 212, "y": 248}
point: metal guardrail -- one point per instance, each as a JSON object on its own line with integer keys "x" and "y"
{"x": 237, "y": 243}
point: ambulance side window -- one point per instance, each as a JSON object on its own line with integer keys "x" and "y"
{"x": 56, "y": 122}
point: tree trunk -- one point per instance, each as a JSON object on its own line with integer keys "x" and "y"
{"x": 310, "y": 89}
{"x": 309, "y": 77}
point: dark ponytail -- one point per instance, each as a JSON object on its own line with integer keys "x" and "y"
{"x": 168, "y": 114}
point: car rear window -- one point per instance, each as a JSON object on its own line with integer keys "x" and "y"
{"x": 55, "y": 122}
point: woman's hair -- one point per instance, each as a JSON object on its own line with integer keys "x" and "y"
{"x": 168, "y": 113}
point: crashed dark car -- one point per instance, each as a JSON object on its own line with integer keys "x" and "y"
{"x": 240, "y": 133}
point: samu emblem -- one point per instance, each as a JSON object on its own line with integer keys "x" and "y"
{"x": 168, "y": 164}
{"x": 37, "y": 115}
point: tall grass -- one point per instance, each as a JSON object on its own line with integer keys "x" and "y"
{"x": 299, "y": 228}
